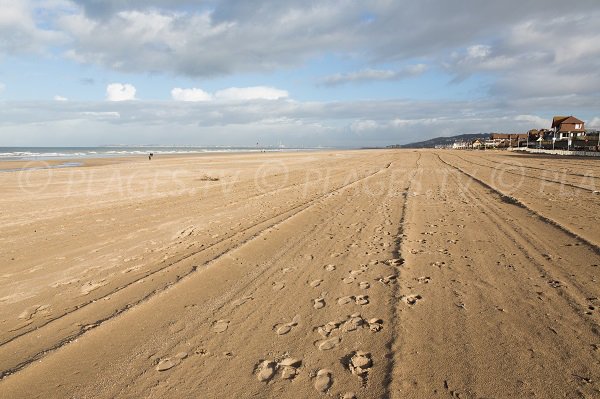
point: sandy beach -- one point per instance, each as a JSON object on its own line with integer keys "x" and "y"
{"x": 341, "y": 274}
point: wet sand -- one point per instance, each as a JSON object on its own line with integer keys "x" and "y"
{"x": 378, "y": 274}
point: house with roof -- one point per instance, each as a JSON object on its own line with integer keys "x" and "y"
{"x": 504, "y": 140}
{"x": 461, "y": 145}
{"x": 567, "y": 127}
{"x": 477, "y": 144}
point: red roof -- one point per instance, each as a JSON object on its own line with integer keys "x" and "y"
{"x": 507, "y": 136}
{"x": 559, "y": 120}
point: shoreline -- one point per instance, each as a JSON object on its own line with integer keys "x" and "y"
{"x": 78, "y": 161}
{"x": 66, "y": 153}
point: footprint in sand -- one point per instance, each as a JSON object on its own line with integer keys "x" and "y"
{"x": 170, "y": 362}
{"x": 360, "y": 364}
{"x": 326, "y": 329}
{"x": 328, "y": 343}
{"x": 323, "y": 380}
{"x": 348, "y": 280}
{"x": 345, "y": 300}
{"x": 220, "y": 326}
{"x": 412, "y": 299}
{"x": 364, "y": 285}
{"x": 278, "y": 285}
{"x": 315, "y": 283}
{"x": 330, "y": 267}
{"x": 387, "y": 280}
{"x": 319, "y": 303}
{"x": 241, "y": 301}
{"x": 353, "y": 323}
{"x": 395, "y": 262}
{"x": 348, "y": 324}
{"x": 289, "y": 368}
{"x": 354, "y": 273}
{"x": 266, "y": 370}
{"x": 282, "y": 329}
{"x": 362, "y": 299}
{"x": 375, "y": 324}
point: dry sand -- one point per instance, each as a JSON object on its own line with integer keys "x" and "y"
{"x": 378, "y": 274}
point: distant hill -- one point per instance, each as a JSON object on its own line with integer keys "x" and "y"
{"x": 431, "y": 143}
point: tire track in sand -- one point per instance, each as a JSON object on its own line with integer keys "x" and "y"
{"x": 516, "y": 201}
{"x": 392, "y": 344}
{"x": 490, "y": 323}
{"x": 35, "y": 352}
{"x": 523, "y": 239}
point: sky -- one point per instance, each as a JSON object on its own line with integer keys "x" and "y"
{"x": 291, "y": 72}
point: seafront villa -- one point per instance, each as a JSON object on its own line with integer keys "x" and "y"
{"x": 568, "y": 127}
{"x": 566, "y": 133}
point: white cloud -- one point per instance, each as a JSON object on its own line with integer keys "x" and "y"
{"x": 101, "y": 115}
{"x": 509, "y": 41}
{"x": 478, "y": 51}
{"x": 22, "y": 28}
{"x": 2, "y": 87}
{"x": 364, "y": 126}
{"x": 120, "y": 92}
{"x": 375, "y": 74}
{"x": 398, "y": 122}
{"x": 251, "y": 93}
{"x": 205, "y": 38}
{"x": 229, "y": 37}
{"x": 60, "y": 98}
{"x": 359, "y": 123}
{"x": 536, "y": 58}
{"x": 192, "y": 94}
{"x": 594, "y": 123}
{"x": 229, "y": 94}
{"x": 479, "y": 58}
{"x": 534, "y": 120}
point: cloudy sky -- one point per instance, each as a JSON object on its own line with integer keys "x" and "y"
{"x": 295, "y": 72}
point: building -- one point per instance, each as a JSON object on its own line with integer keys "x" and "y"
{"x": 477, "y": 144}
{"x": 461, "y": 145}
{"x": 567, "y": 127}
{"x": 504, "y": 140}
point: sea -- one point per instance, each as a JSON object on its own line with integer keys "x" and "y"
{"x": 50, "y": 153}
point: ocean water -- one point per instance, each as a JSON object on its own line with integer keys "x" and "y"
{"x": 49, "y": 153}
